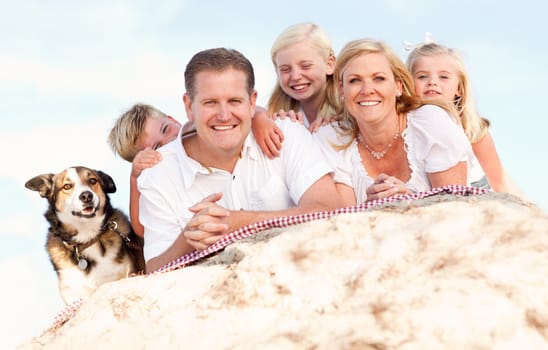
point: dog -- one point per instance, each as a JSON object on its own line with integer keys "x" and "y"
{"x": 89, "y": 242}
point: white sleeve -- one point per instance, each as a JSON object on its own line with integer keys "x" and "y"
{"x": 304, "y": 163}
{"x": 156, "y": 212}
{"x": 325, "y": 138}
{"x": 439, "y": 141}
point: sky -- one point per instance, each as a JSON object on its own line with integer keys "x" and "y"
{"x": 70, "y": 68}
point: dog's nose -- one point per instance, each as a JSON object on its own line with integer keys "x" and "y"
{"x": 86, "y": 196}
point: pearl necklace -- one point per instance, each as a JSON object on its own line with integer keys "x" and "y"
{"x": 380, "y": 154}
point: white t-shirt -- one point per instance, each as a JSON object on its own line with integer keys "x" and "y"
{"x": 306, "y": 123}
{"x": 257, "y": 183}
{"x": 433, "y": 141}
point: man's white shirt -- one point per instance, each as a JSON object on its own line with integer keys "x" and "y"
{"x": 178, "y": 182}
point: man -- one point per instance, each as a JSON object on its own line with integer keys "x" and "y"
{"x": 217, "y": 180}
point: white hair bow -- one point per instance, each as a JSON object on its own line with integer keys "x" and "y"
{"x": 427, "y": 40}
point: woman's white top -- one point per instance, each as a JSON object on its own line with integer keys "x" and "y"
{"x": 433, "y": 140}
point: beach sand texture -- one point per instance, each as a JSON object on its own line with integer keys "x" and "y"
{"x": 444, "y": 272}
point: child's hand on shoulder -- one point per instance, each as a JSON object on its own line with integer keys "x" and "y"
{"x": 144, "y": 159}
{"x": 267, "y": 134}
{"x": 321, "y": 121}
{"x": 291, "y": 114}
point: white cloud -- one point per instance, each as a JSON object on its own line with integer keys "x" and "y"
{"x": 44, "y": 148}
{"x": 146, "y": 73}
{"x": 85, "y": 23}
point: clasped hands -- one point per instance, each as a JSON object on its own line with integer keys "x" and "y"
{"x": 209, "y": 223}
{"x": 386, "y": 186}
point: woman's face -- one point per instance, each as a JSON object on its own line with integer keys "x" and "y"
{"x": 436, "y": 76}
{"x": 369, "y": 88}
{"x": 302, "y": 71}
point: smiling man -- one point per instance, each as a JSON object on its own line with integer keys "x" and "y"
{"x": 217, "y": 180}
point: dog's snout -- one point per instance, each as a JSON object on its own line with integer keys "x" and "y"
{"x": 86, "y": 196}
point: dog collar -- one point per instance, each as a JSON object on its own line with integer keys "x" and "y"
{"x": 77, "y": 248}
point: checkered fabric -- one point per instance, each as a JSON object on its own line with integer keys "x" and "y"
{"x": 66, "y": 314}
{"x": 248, "y": 231}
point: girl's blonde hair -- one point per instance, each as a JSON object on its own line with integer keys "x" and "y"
{"x": 406, "y": 102}
{"x": 475, "y": 126}
{"x": 319, "y": 39}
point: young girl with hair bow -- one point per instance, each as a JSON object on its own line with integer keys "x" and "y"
{"x": 439, "y": 73}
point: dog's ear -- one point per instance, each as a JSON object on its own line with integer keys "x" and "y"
{"x": 108, "y": 183}
{"x": 42, "y": 184}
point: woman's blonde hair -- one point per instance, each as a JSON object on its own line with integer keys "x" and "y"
{"x": 405, "y": 103}
{"x": 475, "y": 126}
{"x": 128, "y": 129}
{"x": 318, "y": 38}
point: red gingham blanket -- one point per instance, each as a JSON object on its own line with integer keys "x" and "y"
{"x": 247, "y": 231}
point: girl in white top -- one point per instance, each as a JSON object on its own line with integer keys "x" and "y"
{"x": 305, "y": 90}
{"x": 304, "y": 61}
{"x": 386, "y": 141}
{"x": 439, "y": 73}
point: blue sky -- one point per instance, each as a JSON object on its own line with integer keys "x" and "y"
{"x": 69, "y": 68}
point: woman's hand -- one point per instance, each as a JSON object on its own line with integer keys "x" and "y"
{"x": 386, "y": 186}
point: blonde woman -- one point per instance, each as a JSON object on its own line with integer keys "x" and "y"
{"x": 387, "y": 141}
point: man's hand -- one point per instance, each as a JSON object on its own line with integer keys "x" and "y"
{"x": 208, "y": 224}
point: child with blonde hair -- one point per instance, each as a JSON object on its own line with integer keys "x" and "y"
{"x": 135, "y": 136}
{"x": 304, "y": 61}
{"x": 439, "y": 73}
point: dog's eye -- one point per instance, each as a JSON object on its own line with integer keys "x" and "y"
{"x": 92, "y": 181}
{"x": 67, "y": 186}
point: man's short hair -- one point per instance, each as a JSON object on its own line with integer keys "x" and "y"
{"x": 218, "y": 59}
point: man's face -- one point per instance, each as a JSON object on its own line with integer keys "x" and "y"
{"x": 221, "y": 110}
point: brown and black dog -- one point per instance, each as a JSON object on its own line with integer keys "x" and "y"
{"x": 89, "y": 242}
